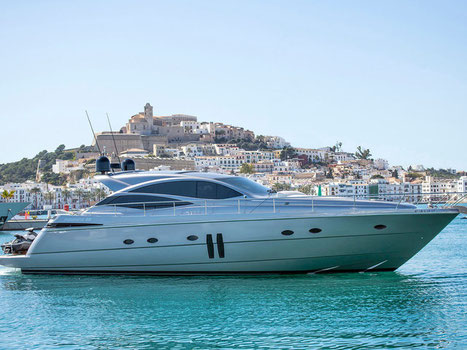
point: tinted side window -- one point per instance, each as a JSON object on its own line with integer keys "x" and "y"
{"x": 195, "y": 189}
{"x": 177, "y": 188}
{"x": 225, "y": 192}
{"x": 150, "y": 202}
{"x": 206, "y": 190}
{"x": 133, "y": 198}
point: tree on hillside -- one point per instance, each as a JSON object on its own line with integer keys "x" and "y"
{"x": 288, "y": 153}
{"x": 247, "y": 168}
{"x": 25, "y": 169}
{"x": 362, "y": 153}
{"x": 59, "y": 150}
{"x": 54, "y": 179}
{"x": 337, "y": 147}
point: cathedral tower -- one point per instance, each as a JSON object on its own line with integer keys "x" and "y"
{"x": 148, "y": 115}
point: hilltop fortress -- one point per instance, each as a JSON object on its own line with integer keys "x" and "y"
{"x": 144, "y": 131}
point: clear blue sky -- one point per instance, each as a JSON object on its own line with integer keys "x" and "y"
{"x": 388, "y": 75}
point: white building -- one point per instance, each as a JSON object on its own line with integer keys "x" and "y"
{"x": 381, "y": 164}
{"x": 66, "y": 166}
{"x": 276, "y": 142}
{"x": 461, "y": 185}
{"x": 314, "y": 155}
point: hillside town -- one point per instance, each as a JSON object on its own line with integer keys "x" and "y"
{"x": 181, "y": 142}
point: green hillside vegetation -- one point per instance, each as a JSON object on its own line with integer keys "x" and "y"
{"x": 25, "y": 169}
{"x": 441, "y": 173}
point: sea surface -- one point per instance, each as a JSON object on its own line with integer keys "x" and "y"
{"x": 423, "y": 305}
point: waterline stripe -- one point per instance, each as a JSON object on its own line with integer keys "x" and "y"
{"x": 219, "y": 262}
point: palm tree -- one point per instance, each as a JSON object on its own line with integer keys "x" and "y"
{"x": 66, "y": 193}
{"x": 79, "y": 192}
{"x": 49, "y": 197}
{"x": 35, "y": 191}
{"x": 362, "y": 153}
{"x": 7, "y": 195}
{"x": 88, "y": 197}
{"x": 100, "y": 193}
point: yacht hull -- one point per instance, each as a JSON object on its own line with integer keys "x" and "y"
{"x": 234, "y": 245}
{"x": 10, "y": 209}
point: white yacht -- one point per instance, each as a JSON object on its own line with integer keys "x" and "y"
{"x": 169, "y": 223}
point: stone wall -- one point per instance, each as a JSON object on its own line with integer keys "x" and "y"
{"x": 175, "y": 164}
{"x": 123, "y": 141}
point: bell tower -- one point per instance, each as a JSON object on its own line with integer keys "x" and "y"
{"x": 148, "y": 114}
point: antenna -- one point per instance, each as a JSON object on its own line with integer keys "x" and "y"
{"x": 93, "y": 133}
{"x": 113, "y": 137}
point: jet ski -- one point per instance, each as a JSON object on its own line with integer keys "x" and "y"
{"x": 21, "y": 243}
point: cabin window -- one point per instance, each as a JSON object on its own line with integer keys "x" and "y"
{"x": 175, "y": 188}
{"x": 224, "y": 192}
{"x": 194, "y": 189}
{"x": 136, "y": 201}
{"x": 206, "y": 190}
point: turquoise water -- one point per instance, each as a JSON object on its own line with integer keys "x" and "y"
{"x": 422, "y": 305}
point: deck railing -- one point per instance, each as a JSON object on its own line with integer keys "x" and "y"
{"x": 266, "y": 205}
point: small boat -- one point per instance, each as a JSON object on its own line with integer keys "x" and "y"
{"x": 10, "y": 209}
{"x": 21, "y": 243}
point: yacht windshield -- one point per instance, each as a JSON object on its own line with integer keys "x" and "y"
{"x": 248, "y": 185}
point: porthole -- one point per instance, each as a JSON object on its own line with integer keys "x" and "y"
{"x": 380, "y": 227}
{"x": 192, "y": 238}
{"x": 315, "y": 230}
{"x": 152, "y": 240}
{"x": 287, "y": 232}
{"x": 128, "y": 241}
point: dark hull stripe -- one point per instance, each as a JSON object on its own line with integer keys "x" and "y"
{"x": 210, "y": 246}
{"x": 192, "y": 273}
{"x": 220, "y": 245}
{"x": 228, "y": 262}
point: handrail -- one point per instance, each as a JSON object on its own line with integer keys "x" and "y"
{"x": 235, "y": 205}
